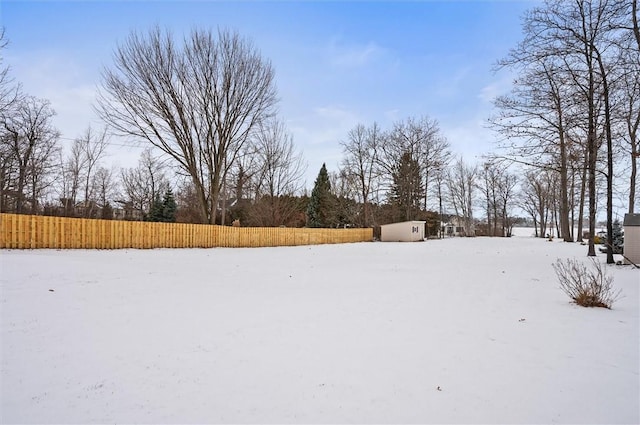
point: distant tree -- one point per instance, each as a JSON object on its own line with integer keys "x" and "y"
{"x": 141, "y": 184}
{"x": 157, "y": 210}
{"x": 278, "y": 178}
{"x": 617, "y": 237}
{"x": 537, "y": 197}
{"x": 163, "y": 209}
{"x": 321, "y": 209}
{"x": 169, "y": 207}
{"x": 421, "y": 137}
{"x": 93, "y": 147}
{"x": 407, "y": 188}
{"x": 360, "y": 162}
{"x": 105, "y": 187}
{"x": 461, "y": 187}
{"x": 507, "y": 196}
{"x": 28, "y": 142}
{"x": 81, "y": 176}
{"x": 498, "y": 187}
{"x": 345, "y": 189}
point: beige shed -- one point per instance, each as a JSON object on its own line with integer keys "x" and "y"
{"x": 406, "y": 231}
{"x": 631, "y": 226}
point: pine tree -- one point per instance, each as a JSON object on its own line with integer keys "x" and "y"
{"x": 407, "y": 189}
{"x": 169, "y": 207}
{"x": 155, "y": 213}
{"x": 618, "y": 237}
{"x": 321, "y": 209}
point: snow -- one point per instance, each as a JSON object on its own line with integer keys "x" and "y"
{"x": 461, "y": 330}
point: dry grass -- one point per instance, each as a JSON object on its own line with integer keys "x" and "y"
{"x": 587, "y": 287}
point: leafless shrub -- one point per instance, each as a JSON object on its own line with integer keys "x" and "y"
{"x": 587, "y": 287}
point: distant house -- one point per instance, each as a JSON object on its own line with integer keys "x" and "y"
{"x": 631, "y": 226}
{"x": 406, "y": 231}
{"x": 454, "y": 227}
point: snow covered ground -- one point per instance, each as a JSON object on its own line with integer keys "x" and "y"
{"x": 445, "y": 331}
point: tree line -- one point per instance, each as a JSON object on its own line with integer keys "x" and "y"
{"x": 572, "y": 116}
{"x": 205, "y": 109}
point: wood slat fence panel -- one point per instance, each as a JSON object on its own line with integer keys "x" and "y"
{"x": 19, "y": 231}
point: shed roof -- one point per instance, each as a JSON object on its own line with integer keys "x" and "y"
{"x": 631, "y": 220}
{"x": 403, "y": 222}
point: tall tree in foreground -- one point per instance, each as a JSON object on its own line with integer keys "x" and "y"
{"x": 198, "y": 102}
{"x": 534, "y": 120}
{"x": 570, "y": 51}
{"x": 629, "y": 88}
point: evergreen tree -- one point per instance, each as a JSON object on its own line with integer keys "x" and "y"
{"x": 169, "y": 207}
{"x": 617, "y": 237}
{"x": 407, "y": 189}
{"x": 155, "y": 212}
{"x": 321, "y": 209}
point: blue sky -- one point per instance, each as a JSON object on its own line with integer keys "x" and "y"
{"x": 337, "y": 63}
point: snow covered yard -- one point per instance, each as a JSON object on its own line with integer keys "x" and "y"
{"x": 452, "y": 331}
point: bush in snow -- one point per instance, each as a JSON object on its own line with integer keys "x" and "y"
{"x": 588, "y": 288}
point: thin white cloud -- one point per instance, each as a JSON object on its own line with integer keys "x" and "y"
{"x": 349, "y": 56}
{"x": 318, "y": 134}
{"x": 453, "y": 85}
{"x": 324, "y": 125}
{"x": 496, "y": 88}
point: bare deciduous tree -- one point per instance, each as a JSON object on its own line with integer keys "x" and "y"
{"x": 198, "y": 102}
{"x": 498, "y": 187}
{"x": 461, "y": 187}
{"x": 360, "y": 163}
{"x": 279, "y": 176}
{"x": 28, "y": 140}
{"x": 9, "y": 92}
{"x": 537, "y": 197}
{"x": 92, "y": 147}
{"x": 534, "y": 120}
{"x": 141, "y": 185}
{"x": 569, "y": 48}
{"x": 105, "y": 188}
{"x": 629, "y": 98}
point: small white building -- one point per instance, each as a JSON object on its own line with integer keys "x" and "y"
{"x": 406, "y": 231}
{"x": 632, "y": 238}
{"x": 453, "y": 227}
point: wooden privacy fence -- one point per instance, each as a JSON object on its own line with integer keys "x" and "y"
{"x": 34, "y": 231}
